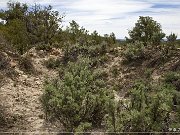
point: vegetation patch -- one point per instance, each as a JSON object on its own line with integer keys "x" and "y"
{"x": 5, "y": 67}
{"x": 3, "y": 117}
{"x": 95, "y": 86}
{"x": 53, "y": 63}
{"x": 25, "y": 64}
{"x": 4, "y": 61}
{"x": 134, "y": 52}
{"x": 79, "y": 99}
{"x": 147, "y": 109}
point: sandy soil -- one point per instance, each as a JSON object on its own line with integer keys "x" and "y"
{"x": 21, "y": 98}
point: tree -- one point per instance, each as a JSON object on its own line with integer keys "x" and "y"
{"x": 27, "y": 26}
{"x": 171, "y": 42}
{"x": 16, "y": 10}
{"x": 97, "y": 39}
{"x": 77, "y": 33}
{"x": 147, "y": 31}
{"x": 16, "y": 33}
{"x": 112, "y": 38}
{"x": 15, "y": 28}
{"x": 43, "y": 23}
{"x": 172, "y": 37}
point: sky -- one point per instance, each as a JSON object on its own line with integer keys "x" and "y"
{"x": 116, "y": 16}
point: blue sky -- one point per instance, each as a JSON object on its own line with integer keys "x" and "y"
{"x": 116, "y": 16}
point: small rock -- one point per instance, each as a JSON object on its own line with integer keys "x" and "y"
{"x": 5, "y": 54}
{"x": 24, "y": 76}
{"x": 52, "y": 56}
{"x": 38, "y": 82}
{"x": 36, "y": 79}
{"x": 13, "y": 64}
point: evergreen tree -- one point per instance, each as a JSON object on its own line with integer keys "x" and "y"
{"x": 147, "y": 31}
{"x": 16, "y": 10}
{"x": 172, "y": 37}
{"x": 77, "y": 33}
{"x": 27, "y": 26}
{"x": 43, "y": 23}
{"x": 15, "y": 29}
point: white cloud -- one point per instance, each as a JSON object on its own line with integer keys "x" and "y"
{"x": 116, "y": 16}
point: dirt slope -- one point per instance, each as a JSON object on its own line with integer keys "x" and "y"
{"x": 21, "y": 98}
{"x": 122, "y": 75}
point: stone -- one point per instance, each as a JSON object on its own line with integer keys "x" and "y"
{"x": 12, "y": 64}
{"x": 24, "y": 76}
{"x": 38, "y": 82}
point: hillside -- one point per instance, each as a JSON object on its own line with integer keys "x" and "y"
{"x": 55, "y": 80}
{"x": 20, "y": 96}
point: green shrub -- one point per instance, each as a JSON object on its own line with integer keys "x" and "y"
{"x": 171, "y": 40}
{"x": 99, "y": 61}
{"x": 52, "y": 63}
{"x": 167, "y": 49}
{"x": 11, "y": 73}
{"x": 115, "y": 71}
{"x": 3, "y": 117}
{"x": 157, "y": 60}
{"x": 147, "y": 109}
{"x": 79, "y": 97}
{"x": 171, "y": 77}
{"x": 97, "y": 52}
{"x": 117, "y": 86}
{"x": 71, "y": 52}
{"x": 25, "y": 64}
{"x": 134, "y": 51}
{"x": 4, "y": 61}
{"x": 5, "y": 68}
{"x": 1, "y": 79}
{"x": 83, "y": 127}
{"x": 148, "y": 72}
